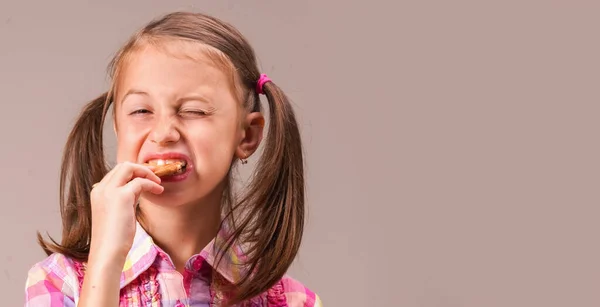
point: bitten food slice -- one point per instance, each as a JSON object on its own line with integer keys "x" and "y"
{"x": 169, "y": 169}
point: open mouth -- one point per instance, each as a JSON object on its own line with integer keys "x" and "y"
{"x": 167, "y": 167}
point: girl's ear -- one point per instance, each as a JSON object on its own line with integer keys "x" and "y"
{"x": 252, "y": 134}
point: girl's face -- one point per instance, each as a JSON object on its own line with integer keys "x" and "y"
{"x": 170, "y": 108}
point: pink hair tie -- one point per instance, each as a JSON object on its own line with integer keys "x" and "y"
{"x": 261, "y": 81}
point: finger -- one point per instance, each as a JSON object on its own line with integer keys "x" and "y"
{"x": 139, "y": 185}
{"x": 107, "y": 176}
{"x": 129, "y": 171}
{"x": 115, "y": 169}
{"x": 112, "y": 172}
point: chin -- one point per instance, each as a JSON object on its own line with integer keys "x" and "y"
{"x": 169, "y": 198}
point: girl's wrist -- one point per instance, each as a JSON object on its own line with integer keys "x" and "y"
{"x": 107, "y": 259}
{"x": 104, "y": 268}
{"x": 102, "y": 280}
{"x": 104, "y": 248}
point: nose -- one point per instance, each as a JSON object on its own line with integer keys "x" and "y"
{"x": 164, "y": 131}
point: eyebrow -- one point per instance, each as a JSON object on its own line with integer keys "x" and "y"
{"x": 194, "y": 96}
{"x": 133, "y": 92}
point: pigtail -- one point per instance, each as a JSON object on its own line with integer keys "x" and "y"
{"x": 83, "y": 164}
{"x": 273, "y": 218}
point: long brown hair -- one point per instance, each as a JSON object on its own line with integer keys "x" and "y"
{"x": 268, "y": 218}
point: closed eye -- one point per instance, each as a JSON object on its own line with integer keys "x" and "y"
{"x": 140, "y": 111}
{"x": 196, "y": 112}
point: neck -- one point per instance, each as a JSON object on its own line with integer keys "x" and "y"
{"x": 182, "y": 231}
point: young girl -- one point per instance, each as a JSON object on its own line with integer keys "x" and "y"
{"x": 185, "y": 91}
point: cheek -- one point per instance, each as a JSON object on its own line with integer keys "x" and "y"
{"x": 128, "y": 145}
{"x": 215, "y": 148}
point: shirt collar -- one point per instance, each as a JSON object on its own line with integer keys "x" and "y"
{"x": 143, "y": 253}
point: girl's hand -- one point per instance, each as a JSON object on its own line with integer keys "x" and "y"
{"x": 113, "y": 202}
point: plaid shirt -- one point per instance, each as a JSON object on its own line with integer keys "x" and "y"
{"x": 149, "y": 278}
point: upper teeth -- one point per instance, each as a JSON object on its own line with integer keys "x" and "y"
{"x": 159, "y": 162}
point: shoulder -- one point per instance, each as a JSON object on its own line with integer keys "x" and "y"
{"x": 297, "y": 294}
{"x": 52, "y": 282}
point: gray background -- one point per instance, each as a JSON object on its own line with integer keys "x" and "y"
{"x": 452, "y": 146}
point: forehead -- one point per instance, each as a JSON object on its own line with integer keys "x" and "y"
{"x": 175, "y": 68}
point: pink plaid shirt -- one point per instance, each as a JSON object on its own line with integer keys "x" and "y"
{"x": 149, "y": 278}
